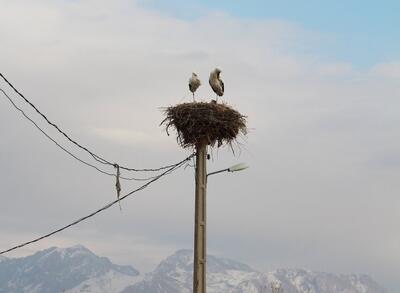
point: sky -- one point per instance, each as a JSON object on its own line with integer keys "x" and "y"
{"x": 319, "y": 84}
{"x": 356, "y": 29}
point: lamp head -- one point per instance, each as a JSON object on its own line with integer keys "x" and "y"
{"x": 238, "y": 167}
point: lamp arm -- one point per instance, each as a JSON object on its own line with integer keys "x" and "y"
{"x": 216, "y": 172}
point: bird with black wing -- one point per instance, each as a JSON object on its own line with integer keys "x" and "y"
{"x": 216, "y": 83}
{"x": 194, "y": 83}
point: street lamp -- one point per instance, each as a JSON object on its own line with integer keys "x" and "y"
{"x": 234, "y": 168}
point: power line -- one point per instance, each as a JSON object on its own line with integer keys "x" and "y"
{"x": 95, "y": 156}
{"x": 171, "y": 169}
{"x": 64, "y": 149}
{"x": 49, "y": 137}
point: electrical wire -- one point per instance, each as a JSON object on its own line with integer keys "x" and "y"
{"x": 64, "y": 149}
{"x": 173, "y": 168}
{"x": 95, "y": 156}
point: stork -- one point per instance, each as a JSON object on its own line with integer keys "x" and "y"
{"x": 216, "y": 83}
{"x": 194, "y": 83}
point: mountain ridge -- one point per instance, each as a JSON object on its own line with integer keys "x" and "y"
{"x": 76, "y": 269}
{"x": 56, "y": 270}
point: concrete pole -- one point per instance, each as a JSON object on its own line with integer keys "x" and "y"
{"x": 200, "y": 251}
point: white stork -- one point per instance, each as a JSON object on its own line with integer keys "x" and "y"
{"x": 216, "y": 83}
{"x": 194, "y": 83}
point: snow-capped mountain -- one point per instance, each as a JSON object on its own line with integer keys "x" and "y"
{"x": 77, "y": 269}
{"x": 300, "y": 280}
{"x": 174, "y": 275}
{"x": 73, "y": 269}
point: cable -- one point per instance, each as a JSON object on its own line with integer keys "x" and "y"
{"x": 64, "y": 149}
{"x": 95, "y": 156}
{"x": 173, "y": 168}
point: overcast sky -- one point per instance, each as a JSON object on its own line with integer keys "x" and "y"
{"x": 320, "y": 86}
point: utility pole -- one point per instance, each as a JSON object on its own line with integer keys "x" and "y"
{"x": 200, "y": 247}
{"x": 198, "y": 125}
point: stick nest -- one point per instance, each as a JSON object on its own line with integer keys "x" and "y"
{"x": 199, "y": 122}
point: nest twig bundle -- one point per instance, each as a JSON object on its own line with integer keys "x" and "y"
{"x": 199, "y": 122}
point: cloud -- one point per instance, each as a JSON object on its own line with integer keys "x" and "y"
{"x": 128, "y": 137}
{"x": 387, "y": 70}
{"x": 313, "y": 195}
